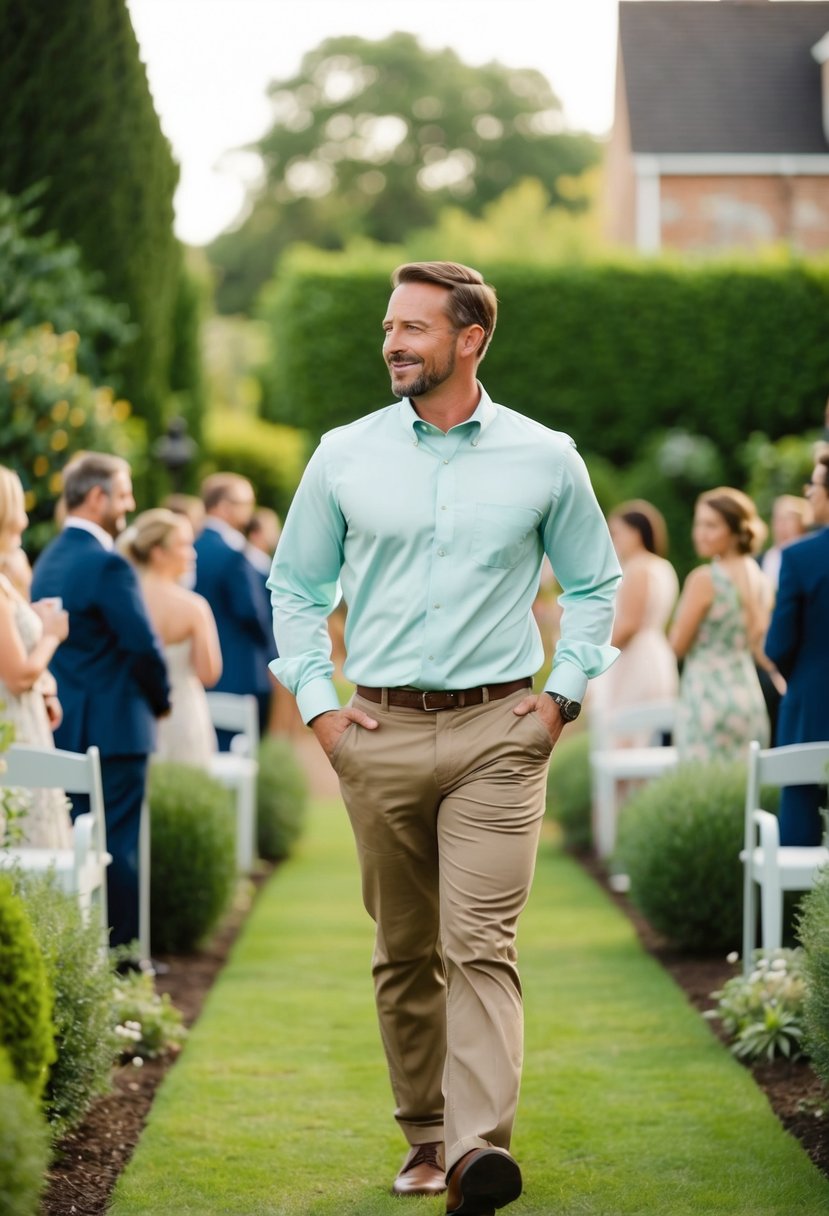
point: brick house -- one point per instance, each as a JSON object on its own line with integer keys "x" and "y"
{"x": 720, "y": 130}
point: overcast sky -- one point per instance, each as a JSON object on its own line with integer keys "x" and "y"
{"x": 209, "y": 63}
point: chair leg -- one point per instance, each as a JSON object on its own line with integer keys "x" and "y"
{"x": 771, "y": 898}
{"x": 605, "y": 814}
{"x": 749, "y": 919}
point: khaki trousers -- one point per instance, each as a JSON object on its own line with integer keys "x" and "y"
{"x": 446, "y": 809}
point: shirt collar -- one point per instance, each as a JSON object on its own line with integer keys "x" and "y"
{"x": 231, "y": 536}
{"x": 86, "y": 525}
{"x": 483, "y": 414}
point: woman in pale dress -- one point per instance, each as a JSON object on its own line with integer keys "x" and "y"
{"x": 720, "y": 625}
{"x": 646, "y": 669}
{"x": 160, "y": 544}
{"x": 29, "y": 636}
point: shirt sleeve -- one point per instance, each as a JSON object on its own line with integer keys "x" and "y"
{"x": 577, "y": 542}
{"x": 304, "y": 590}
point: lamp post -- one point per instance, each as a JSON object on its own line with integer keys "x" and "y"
{"x": 175, "y": 449}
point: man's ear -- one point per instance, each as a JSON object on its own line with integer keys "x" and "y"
{"x": 472, "y": 339}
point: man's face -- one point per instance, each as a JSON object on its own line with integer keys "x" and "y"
{"x": 115, "y": 506}
{"x": 420, "y": 345}
{"x": 238, "y": 505}
{"x": 817, "y": 491}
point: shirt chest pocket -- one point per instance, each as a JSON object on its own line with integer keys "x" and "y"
{"x": 502, "y": 536}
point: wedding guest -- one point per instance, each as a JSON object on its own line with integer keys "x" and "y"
{"x": 228, "y": 582}
{"x": 110, "y": 671}
{"x": 798, "y": 642}
{"x": 718, "y": 630}
{"x": 646, "y": 669}
{"x": 160, "y": 545}
{"x": 29, "y": 636}
{"x": 791, "y": 518}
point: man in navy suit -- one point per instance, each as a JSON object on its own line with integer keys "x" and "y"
{"x": 111, "y": 673}
{"x": 798, "y": 643}
{"x": 228, "y": 582}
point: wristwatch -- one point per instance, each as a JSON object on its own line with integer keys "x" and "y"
{"x": 570, "y": 710}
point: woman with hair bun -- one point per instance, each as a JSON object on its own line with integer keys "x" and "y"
{"x": 719, "y": 629}
{"x": 160, "y": 545}
{"x": 646, "y": 670}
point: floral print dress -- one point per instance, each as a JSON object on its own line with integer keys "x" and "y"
{"x": 721, "y": 707}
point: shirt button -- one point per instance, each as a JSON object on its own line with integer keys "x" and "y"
{"x": 431, "y": 658}
{"x": 474, "y": 443}
{"x": 441, "y": 553}
{"x": 443, "y": 508}
{"x": 446, "y": 462}
{"x": 436, "y": 605}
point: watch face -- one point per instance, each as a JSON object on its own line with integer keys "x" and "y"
{"x": 570, "y": 710}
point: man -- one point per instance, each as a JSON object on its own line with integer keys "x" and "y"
{"x": 798, "y": 644}
{"x": 226, "y": 579}
{"x": 110, "y": 671}
{"x": 435, "y": 514}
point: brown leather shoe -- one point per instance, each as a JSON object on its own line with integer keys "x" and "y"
{"x": 484, "y": 1179}
{"x": 423, "y": 1172}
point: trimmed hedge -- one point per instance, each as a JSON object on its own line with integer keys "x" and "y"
{"x": 26, "y": 1028}
{"x": 82, "y": 980}
{"x": 813, "y": 931}
{"x": 271, "y": 457}
{"x": 569, "y": 800}
{"x": 192, "y": 855}
{"x": 607, "y": 352}
{"x": 77, "y": 114}
{"x": 24, "y": 1146}
{"x": 679, "y": 841}
{"x": 282, "y": 799}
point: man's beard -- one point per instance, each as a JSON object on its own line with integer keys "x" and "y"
{"x": 427, "y": 380}
{"x": 114, "y": 525}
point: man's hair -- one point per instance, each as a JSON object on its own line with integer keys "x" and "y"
{"x": 471, "y": 300}
{"x": 87, "y": 471}
{"x": 219, "y": 486}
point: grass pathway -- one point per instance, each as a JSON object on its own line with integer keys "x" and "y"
{"x": 280, "y": 1104}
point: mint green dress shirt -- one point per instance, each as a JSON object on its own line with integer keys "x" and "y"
{"x": 436, "y": 542}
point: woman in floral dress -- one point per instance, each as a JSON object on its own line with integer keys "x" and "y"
{"x": 720, "y": 624}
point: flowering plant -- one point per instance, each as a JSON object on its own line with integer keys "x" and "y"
{"x": 146, "y": 1024}
{"x": 763, "y": 1012}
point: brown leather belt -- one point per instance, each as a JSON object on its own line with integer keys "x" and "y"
{"x": 413, "y": 698}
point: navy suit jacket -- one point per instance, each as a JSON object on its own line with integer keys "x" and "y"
{"x": 227, "y": 580}
{"x": 798, "y": 640}
{"x": 111, "y": 674}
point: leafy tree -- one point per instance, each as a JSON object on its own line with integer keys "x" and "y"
{"x": 374, "y": 138}
{"x": 43, "y": 282}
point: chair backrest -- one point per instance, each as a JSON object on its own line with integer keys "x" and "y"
{"x": 238, "y": 713}
{"x": 795, "y": 764}
{"x": 652, "y": 717}
{"x": 49, "y": 768}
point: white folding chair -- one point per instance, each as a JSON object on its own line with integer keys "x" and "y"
{"x": 610, "y": 764}
{"x": 767, "y": 864}
{"x": 238, "y": 769}
{"x": 80, "y": 870}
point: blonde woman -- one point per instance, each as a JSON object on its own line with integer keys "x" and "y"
{"x": 160, "y": 544}
{"x": 29, "y": 636}
{"x": 719, "y": 629}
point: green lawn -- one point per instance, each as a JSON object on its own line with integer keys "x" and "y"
{"x": 280, "y": 1103}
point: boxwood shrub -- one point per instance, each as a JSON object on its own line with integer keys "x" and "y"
{"x": 26, "y": 1028}
{"x": 282, "y": 799}
{"x": 82, "y": 980}
{"x": 192, "y": 855}
{"x": 679, "y": 841}
{"x": 24, "y": 1145}
{"x": 568, "y": 790}
{"x": 813, "y": 930}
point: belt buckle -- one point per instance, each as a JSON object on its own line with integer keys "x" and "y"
{"x": 431, "y": 693}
